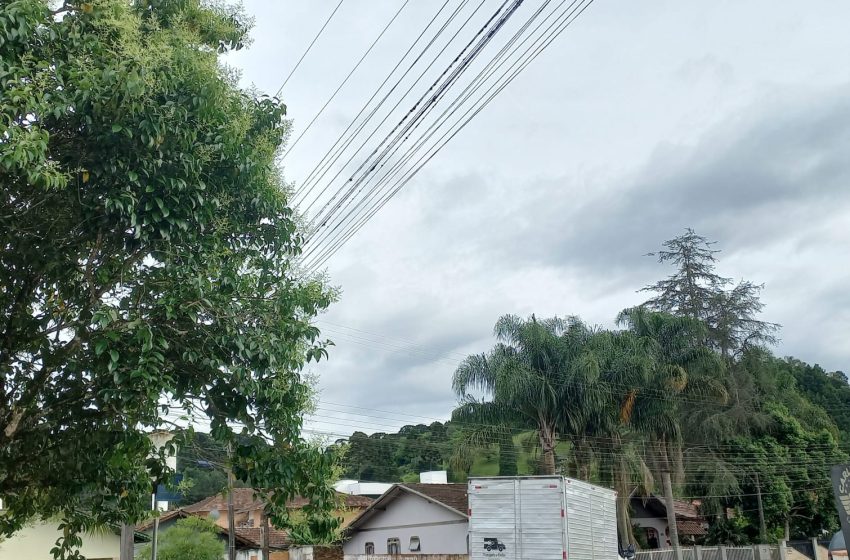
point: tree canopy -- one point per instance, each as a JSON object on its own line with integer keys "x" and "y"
{"x": 146, "y": 261}
{"x": 685, "y": 386}
{"x": 192, "y": 538}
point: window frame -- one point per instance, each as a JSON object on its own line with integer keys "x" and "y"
{"x": 418, "y": 544}
{"x": 368, "y": 546}
{"x": 394, "y": 541}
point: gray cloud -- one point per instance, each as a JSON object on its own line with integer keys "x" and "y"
{"x": 732, "y": 118}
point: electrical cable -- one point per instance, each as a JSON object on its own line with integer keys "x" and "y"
{"x": 539, "y": 46}
{"x": 310, "y": 46}
{"x": 345, "y": 80}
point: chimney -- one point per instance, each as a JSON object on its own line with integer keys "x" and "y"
{"x": 434, "y": 477}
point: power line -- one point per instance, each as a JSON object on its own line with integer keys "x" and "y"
{"x": 420, "y": 163}
{"x": 310, "y": 46}
{"x": 316, "y": 179}
{"x": 419, "y": 110}
{"x": 345, "y": 80}
{"x": 318, "y": 257}
{"x": 402, "y": 161}
{"x": 327, "y": 160}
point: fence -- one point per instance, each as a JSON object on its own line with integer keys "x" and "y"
{"x": 407, "y": 557}
{"x": 759, "y": 552}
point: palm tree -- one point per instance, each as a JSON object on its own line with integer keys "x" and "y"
{"x": 684, "y": 370}
{"x": 520, "y": 384}
{"x": 625, "y": 363}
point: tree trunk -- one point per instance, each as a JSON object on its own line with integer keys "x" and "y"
{"x": 547, "y": 444}
{"x": 625, "y": 534}
{"x": 679, "y": 464}
{"x": 762, "y": 525}
{"x": 671, "y": 515}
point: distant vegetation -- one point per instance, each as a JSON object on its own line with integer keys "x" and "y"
{"x": 687, "y": 386}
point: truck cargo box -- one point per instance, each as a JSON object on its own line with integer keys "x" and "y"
{"x": 541, "y": 518}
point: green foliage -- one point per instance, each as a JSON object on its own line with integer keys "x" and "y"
{"x": 507, "y": 456}
{"x": 828, "y": 390}
{"x": 388, "y": 457}
{"x": 686, "y": 388}
{"x": 147, "y": 251}
{"x": 694, "y": 290}
{"x": 732, "y": 532}
{"x": 192, "y": 538}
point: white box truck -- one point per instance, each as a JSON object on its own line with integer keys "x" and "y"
{"x": 541, "y": 518}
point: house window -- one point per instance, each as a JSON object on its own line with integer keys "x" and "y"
{"x": 393, "y": 546}
{"x": 415, "y": 546}
{"x": 652, "y": 538}
{"x": 370, "y": 548}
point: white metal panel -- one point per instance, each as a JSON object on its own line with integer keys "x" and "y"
{"x": 493, "y": 519}
{"x": 541, "y": 518}
{"x": 579, "y": 520}
{"x": 604, "y": 515}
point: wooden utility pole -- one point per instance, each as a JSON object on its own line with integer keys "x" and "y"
{"x": 762, "y": 525}
{"x": 671, "y": 515}
{"x": 265, "y": 536}
{"x": 127, "y": 534}
{"x": 231, "y": 525}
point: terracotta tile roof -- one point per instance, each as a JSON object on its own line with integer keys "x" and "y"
{"x": 348, "y": 500}
{"x": 277, "y": 538}
{"x": 165, "y": 516}
{"x": 691, "y": 527}
{"x": 244, "y": 500}
{"x": 685, "y": 509}
{"x": 452, "y": 495}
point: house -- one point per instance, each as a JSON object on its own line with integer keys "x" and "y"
{"x": 412, "y": 519}
{"x": 248, "y": 509}
{"x": 649, "y": 514}
{"x": 35, "y": 540}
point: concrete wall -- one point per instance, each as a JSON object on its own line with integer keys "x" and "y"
{"x": 34, "y": 542}
{"x": 440, "y": 531}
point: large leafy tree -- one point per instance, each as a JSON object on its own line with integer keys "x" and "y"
{"x": 146, "y": 256}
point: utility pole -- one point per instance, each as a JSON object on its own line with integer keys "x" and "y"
{"x": 762, "y": 525}
{"x": 265, "y": 536}
{"x": 155, "y": 534}
{"x": 231, "y": 525}
{"x": 126, "y": 547}
{"x": 671, "y": 515}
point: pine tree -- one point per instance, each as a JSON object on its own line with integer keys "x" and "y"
{"x": 695, "y": 290}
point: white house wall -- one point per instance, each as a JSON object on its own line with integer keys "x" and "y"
{"x": 34, "y": 542}
{"x": 440, "y": 530}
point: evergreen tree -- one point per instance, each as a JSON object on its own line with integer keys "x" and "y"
{"x": 696, "y": 291}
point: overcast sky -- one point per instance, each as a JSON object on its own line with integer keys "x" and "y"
{"x": 644, "y": 118}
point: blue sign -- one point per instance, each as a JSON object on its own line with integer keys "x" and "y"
{"x": 168, "y": 493}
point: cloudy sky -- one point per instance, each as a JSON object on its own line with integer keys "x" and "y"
{"x": 642, "y": 119}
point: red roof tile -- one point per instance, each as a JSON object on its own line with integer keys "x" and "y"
{"x": 690, "y": 527}
{"x": 165, "y": 516}
{"x": 685, "y": 509}
{"x": 244, "y": 499}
